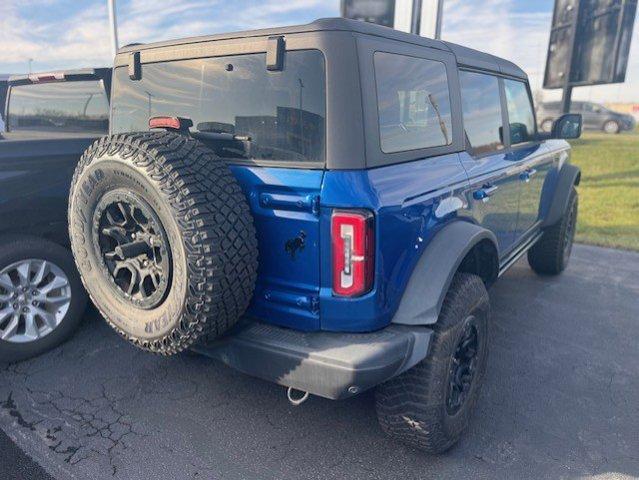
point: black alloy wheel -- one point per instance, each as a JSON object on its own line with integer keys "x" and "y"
{"x": 463, "y": 366}
{"x": 134, "y": 251}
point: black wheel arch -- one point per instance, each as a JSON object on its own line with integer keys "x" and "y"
{"x": 568, "y": 177}
{"x": 460, "y": 246}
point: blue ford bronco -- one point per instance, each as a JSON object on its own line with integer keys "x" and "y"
{"x": 323, "y": 206}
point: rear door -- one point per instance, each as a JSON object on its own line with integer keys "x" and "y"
{"x": 592, "y": 115}
{"x": 528, "y": 153}
{"x": 493, "y": 175}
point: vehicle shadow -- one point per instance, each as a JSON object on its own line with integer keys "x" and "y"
{"x": 560, "y": 399}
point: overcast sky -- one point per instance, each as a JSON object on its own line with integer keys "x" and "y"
{"x": 60, "y": 34}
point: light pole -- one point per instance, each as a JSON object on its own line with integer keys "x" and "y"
{"x": 30, "y": 62}
{"x": 113, "y": 27}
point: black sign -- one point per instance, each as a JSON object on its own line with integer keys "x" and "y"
{"x": 381, "y": 12}
{"x": 602, "y": 31}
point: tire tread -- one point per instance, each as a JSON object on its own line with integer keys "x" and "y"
{"x": 216, "y": 225}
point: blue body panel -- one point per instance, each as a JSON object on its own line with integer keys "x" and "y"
{"x": 284, "y": 203}
{"x": 498, "y": 212}
{"x": 294, "y": 288}
{"x": 403, "y": 198}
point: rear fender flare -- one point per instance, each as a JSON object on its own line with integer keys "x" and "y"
{"x": 424, "y": 294}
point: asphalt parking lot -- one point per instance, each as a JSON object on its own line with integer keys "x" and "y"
{"x": 560, "y": 400}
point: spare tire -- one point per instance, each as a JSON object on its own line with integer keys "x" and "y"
{"x": 163, "y": 238}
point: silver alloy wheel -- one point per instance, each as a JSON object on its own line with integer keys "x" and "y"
{"x": 611, "y": 127}
{"x": 35, "y": 295}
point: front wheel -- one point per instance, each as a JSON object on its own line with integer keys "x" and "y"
{"x": 430, "y": 405}
{"x": 611, "y": 127}
{"x": 550, "y": 255}
{"x": 41, "y": 297}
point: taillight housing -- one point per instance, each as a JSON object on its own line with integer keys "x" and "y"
{"x": 353, "y": 252}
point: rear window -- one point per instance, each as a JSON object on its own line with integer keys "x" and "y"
{"x": 413, "y": 103}
{"x": 253, "y": 113}
{"x": 80, "y": 107}
{"x": 481, "y": 109}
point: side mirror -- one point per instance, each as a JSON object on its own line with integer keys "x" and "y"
{"x": 518, "y": 133}
{"x": 567, "y": 126}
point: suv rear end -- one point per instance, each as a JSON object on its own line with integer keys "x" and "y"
{"x": 304, "y": 174}
{"x": 303, "y": 204}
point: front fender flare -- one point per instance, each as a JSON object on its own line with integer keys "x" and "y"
{"x": 433, "y": 274}
{"x": 569, "y": 175}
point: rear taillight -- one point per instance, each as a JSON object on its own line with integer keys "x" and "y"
{"x": 353, "y": 250}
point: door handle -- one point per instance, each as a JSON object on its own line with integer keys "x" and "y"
{"x": 527, "y": 174}
{"x": 485, "y": 192}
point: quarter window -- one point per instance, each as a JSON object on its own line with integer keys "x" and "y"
{"x": 413, "y": 103}
{"x": 520, "y": 112}
{"x": 481, "y": 108}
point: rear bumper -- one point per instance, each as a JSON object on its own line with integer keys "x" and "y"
{"x": 327, "y": 364}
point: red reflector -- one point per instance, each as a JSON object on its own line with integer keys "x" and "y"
{"x": 353, "y": 251}
{"x": 165, "y": 122}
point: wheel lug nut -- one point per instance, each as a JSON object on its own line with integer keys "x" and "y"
{"x": 25, "y": 309}
{"x": 35, "y": 292}
{"x": 34, "y": 303}
{"x": 15, "y": 306}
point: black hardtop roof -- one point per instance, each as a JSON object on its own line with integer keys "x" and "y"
{"x": 465, "y": 56}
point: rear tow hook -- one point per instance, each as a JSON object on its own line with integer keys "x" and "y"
{"x": 298, "y": 398}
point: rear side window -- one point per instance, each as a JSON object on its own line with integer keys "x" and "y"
{"x": 251, "y": 113}
{"x": 481, "y": 109}
{"x": 413, "y": 103}
{"x": 520, "y": 112}
{"x": 80, "y": 107}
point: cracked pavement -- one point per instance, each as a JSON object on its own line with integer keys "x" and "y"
{"x": 560, "y": 400}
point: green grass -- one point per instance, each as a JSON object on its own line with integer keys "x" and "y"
{"x": 609, "y": 189}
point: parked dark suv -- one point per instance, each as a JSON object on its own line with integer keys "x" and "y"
{"x": 50, "y": 119}
{"x": 323, "y": 206}
{"x": 595, "y": 117}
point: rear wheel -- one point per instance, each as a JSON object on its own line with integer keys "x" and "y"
{"x": 163, "y": 239}
{"x": 550, "y": 255}
{"x": 430, "y": 405}
{"x": 41, "y": 297}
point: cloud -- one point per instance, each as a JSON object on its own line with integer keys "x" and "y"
{"x": 82, "y": 38}
{"x": 70, "y": 34}
{"x": 521, "y": 37}
{"x": 507, "y": 28}
{"x": 56, "y": 43}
